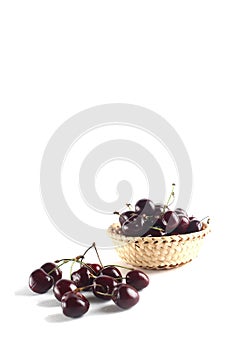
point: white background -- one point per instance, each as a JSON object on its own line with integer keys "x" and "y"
{"x": 60, "y": 57}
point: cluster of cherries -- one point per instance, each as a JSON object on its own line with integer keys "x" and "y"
{"x": 105, "y": 282}
{"x": 149, "y": 219}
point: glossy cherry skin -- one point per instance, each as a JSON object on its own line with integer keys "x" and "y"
{"x": 62, "y": 286}
{"x": 145, "y": 206}
{"x": 126, "y": 216}
{"x": 113, "y": 272}
{"x": 170, "y": 220}
{"x": 159, "y": 223}
{"x": 40, "y": 282}
{"x": 183, "y": 224}
{"x": 138, "y": 279}
{"x": 133, "y": 227}
{"x": 56, "y": 274}
{"x": 94, "y": 268}
{"x": 125, "y": 296}
{"x": 81, "y": 277}
{"x": 194, "y": 226}
{"x": 73, "y": 305}
{"x": 104, "y": 284}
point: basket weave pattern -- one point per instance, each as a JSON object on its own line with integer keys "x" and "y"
{"x": 157, "y": 252}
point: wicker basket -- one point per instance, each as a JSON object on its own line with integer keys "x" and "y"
{"x": 157, "y": 252}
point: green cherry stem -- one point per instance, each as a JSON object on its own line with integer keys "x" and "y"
{"x": 71, "y": 267}
{"x": 106, "y": 294}
{"x": 88, "y": 286}
{"x": 90, "y": 269}
{"x": 172, "y": 195}
{"x": 65, "y": 261}
{"x": 157, "y": 228}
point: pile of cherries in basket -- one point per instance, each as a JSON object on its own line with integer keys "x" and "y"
{"x": 155, "y": 220}
{"x": 105, "y": 282}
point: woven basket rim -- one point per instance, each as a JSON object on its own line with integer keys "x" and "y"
{"x": 112, "y": 232}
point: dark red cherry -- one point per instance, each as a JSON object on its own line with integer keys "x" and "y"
{"x": 159, "y": 209}
{"x": 145, "y": 206}
{"x": 133, "y": 227}
{"x": 159, "y": 223}
{"x": 183, "y": 224}
{"x": 170, "y": 220}
{"x": 125, "y": 296}
{"x": 62, "y": 286}
{"x": 40, "y": 282}
{"x": 74, "y": 305}
{"x": 56, "y": 274}
{"x": 194, "y": 226}
{"x": 126, "y": 216}
{"x": 104, "y": 284}
{"x": 81, "y": 277}
{"x": 138, "y": 279}
{"x": 94, "y": 268}
{"x": 112, "y": 271}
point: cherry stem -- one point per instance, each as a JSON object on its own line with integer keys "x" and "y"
{"x": 206, "y": 217}
{"x": 90, "y": 269}
{"x": 71, "y": 267}
{"x": 57, "y": 261}
{"x": 106, "y": 294}
{"x": 172, "y": 195}
{"x": 86, "y": 253}
{"x": 116, "y": 213}
{"x": 157, "y": 228}
{"x": 94, "y": 245}
{"x": 77, "y": 258}
{"x": 129, "y": 205}
{"x": 57, "y": 267}
{"x": 88, "y": 286}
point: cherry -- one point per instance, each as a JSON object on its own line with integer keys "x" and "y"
{"x": 152, "y": 233}
{"x": 104, "y": 285}
{"x": 183, "y": 224}
{"x": 126, "y": 216}
{"x": 112, "y": 271}
{"x": 74, "y": 304}
{"x": 40, "y": 282}
{"x": 170, "y": 220}
{"x": 159, "y": 210}
{"x": 53, "y": 271}
{"x": 194, "y": 226}
{"x": 94, "y": 268}
{"x": 159, "y": 223}
{"x": 134, "y": 226}
{"x": 125, "y": 296}
{"x": 62, "y": 286}
{"x": 138, "y": 279}
{"x": 81, "y": 277}
{"x": 146, "y": 206}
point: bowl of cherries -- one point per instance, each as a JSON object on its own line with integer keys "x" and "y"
{"x": 153, "y": 236}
